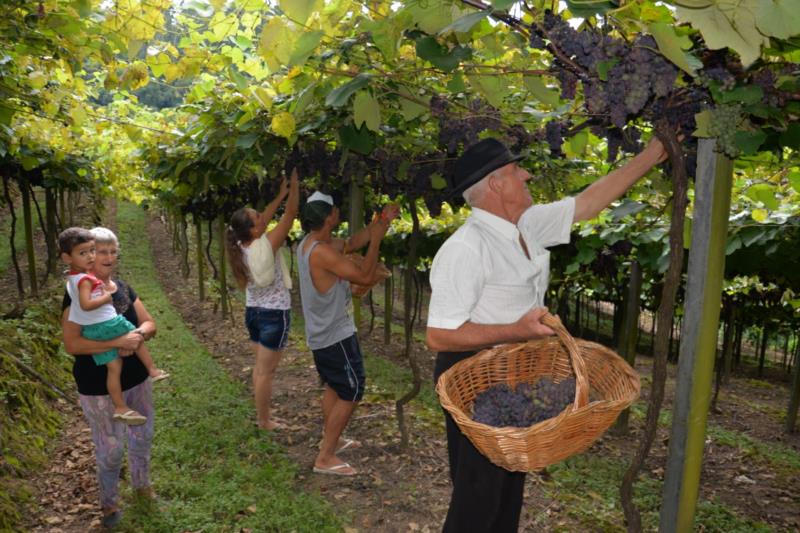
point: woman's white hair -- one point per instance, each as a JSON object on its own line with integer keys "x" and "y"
{"x": 104, "y": 236}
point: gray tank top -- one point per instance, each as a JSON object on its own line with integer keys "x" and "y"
{"x": 326, "y": 318}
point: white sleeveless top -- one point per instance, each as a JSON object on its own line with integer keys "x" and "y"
{"x": 273, "y": 296}
{"x": 76, "y": 312}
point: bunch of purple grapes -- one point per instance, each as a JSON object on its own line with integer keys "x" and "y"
{"x": 620, "y": 80}
{"x": 525, "y": 405}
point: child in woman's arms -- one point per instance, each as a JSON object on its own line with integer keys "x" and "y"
{"x": 91, "y": 307}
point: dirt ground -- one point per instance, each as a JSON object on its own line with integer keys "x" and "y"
{"x": 409, "y": 491}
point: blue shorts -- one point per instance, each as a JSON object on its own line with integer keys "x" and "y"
{"x": 268, "y": 327}
{"x": 341, "y": 367}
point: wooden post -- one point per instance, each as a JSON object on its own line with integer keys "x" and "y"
{"x": 28, "y": 223}
{"x": 794, "y": 400}
{"x": 698, "y": 351}
{"x": 223, "y": 278}
{"x": 201, "y": 271}
{"x": 388, "y": 296}
{"x": 52, "y": 231}
{"x": 355, "y": 223}
{"x": 629, "y": 331}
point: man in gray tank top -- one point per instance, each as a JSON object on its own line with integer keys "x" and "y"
{"x": 325, "y": 276}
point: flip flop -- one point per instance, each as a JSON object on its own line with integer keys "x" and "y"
{"x": 161, "y": 375}
{"x": 336, "y": 470}
{"x": 348, "y": 444}
{"x": 130, "y": 417}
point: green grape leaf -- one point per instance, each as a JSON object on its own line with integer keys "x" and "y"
{"x": 604, "y": 66}
{"x": 456, "y": 84}
{"x": 672, "y": 46}
{"x": 465, "y": 23}
{"x": 760, "y": 215}
{"x": 247, "y": 140}
{"x": 746, "y": 94}
{"x": 367, "y": 111}
{"x": 702, "y": 121}
{"x": 728, "y": 24}
{"x": 276, "y": 44}
{"x": 778, "y": 18}
{"x": 493, "y": 88}
{"x": 386, "y": 35}
{"x": 6, "y": 114}
{"x": 627, "y": 207}
{"x": 749, "y": 141}
{"x": 791, "y": 137}
{"x": 794, "y": 180}
{"x": 340, "y": 95}
{"x": 359, "y": 140}
{"x": 298, "y": 10}
{"x": 431, "y": 15}
{"x": 430, "y": 50}
{"x": 242, "y": 42}
{"x": 577, "y": 143}
{"x": 305, "y": 46}
{"x": 587, "y": 8}
{"x": 503, "y": 4}
{"x": 408, "y": 107}
{"x": 158, "y": 64}
{"x": 539, "y": 90}
{"x": 765, "y": 194}
{"x": 37, "y": 79}
{"x": 438, "y": 182}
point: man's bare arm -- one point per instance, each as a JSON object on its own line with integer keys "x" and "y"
{"x": 605, "y": 190}
{"x": 471, "y": 336}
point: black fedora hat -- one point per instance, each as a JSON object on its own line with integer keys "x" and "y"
{"x": 479, "y": 160}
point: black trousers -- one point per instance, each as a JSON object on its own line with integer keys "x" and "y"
{"x": 486, "y": 498}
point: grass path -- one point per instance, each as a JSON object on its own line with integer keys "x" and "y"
{"x": 213, "y": 470}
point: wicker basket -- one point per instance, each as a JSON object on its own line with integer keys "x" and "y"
{"x": 614, "y": 386}
{"x": 381, "y": 273}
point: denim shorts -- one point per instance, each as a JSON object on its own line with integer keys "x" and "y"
{"x": 341, "y": 367}
{"x": 268, "y": 327}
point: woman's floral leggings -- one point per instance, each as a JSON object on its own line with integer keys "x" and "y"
{"x": 109, "y": 440}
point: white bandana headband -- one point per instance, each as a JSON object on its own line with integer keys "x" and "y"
{"x": 320, "y": 197}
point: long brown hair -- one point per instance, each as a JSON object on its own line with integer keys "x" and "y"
{"x": 238, "y": 232}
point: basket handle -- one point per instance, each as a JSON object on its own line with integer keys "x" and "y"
{"x": 575, "y": 357}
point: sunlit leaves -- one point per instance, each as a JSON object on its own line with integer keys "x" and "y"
{"x": 367, "y": 111}
{"x": 283, "y": 124}
{"x": 298, "y": 10}
{"x": 276, "y": 44}
{"x": 673, "y": 47}
{"x": 725, "y": 23}
{"x": 37, "y": 79}
{"x": 763, "y": 193}
{"x": 540, "y": 91}
{"x": 305, "y": 46}
{"x": 779, "y": 18}
{"x": 340, "y": 95}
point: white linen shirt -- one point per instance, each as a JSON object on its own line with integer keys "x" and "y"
{"x": 481, "y": 273}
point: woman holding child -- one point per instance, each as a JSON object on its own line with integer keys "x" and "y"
{"x": 109, "y": 434}
{"x": 260, "y": 267}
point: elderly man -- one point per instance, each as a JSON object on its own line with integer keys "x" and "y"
{"x": 499, "y": 298}
{"x": 325, "y": 276}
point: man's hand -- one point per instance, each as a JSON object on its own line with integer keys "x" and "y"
{"x": 390, "y": 212}
{"x": 530, "y": 324}
{"x": 378, "y": 228}
{"x": 294, "y": 183}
